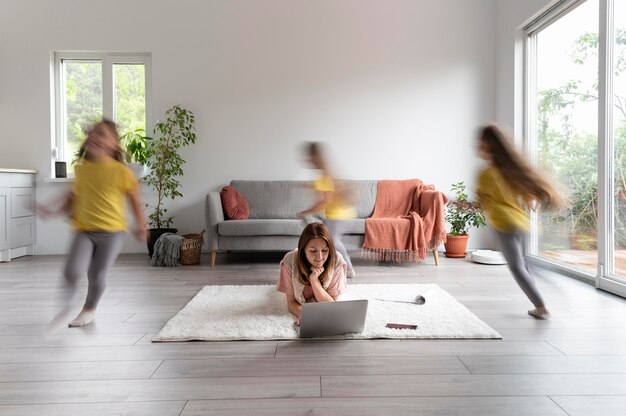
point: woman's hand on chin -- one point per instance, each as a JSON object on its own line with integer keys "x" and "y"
{"x": 316, "y": 273}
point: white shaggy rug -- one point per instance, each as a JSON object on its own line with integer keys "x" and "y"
{"x": 253, "y": 312}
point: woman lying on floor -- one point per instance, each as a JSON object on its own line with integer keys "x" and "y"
{"x": 314, "y": 272}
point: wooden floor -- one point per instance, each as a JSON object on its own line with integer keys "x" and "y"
{"x": 572, "y": 364}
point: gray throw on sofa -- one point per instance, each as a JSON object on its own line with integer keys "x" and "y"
{"x": 273, "y": 224}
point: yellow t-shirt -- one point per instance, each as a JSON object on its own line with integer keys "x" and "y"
{"x": 500, "y": 202}
{"x": 100, "y": 189}
{"x": 336, "y": 209}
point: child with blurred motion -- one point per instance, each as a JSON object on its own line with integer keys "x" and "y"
{"x": 314, "y": 272}
{"x": 506, "y": 188}
{"x": 97, "y": 212}
{"x": 331, "y": 202}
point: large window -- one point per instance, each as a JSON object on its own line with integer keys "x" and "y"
{"x": 576, "y": 128}
{"x": 89, "y": 86}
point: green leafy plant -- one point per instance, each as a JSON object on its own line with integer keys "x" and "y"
{"x": 461, "y": 213}
{"x": 165, "y": 162}
{"x": 136, "y": 144}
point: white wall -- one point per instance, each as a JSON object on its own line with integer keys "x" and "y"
{"x": 512, "y": 15}
{"x": 396, "y": 88}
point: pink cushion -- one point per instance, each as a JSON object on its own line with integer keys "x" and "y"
{"x": 234, "y": 204}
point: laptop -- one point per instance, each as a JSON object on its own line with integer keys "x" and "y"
{"x": 324, "y": 319}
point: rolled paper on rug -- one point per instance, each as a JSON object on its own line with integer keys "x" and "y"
{"x": 408, "y": 297}
{"x": 419, "y": 300}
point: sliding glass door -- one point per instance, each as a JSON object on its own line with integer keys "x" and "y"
{"x": 576, "y": 129}
{"x": 617, "y": 106}
{"x": 565, "y": 135}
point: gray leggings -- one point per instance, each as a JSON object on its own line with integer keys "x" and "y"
{"x": 92, "y": 254}
{"x": 337, "y": 228}
{"x": 512, "y": 246}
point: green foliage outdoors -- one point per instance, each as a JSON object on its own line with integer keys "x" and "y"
{"x": 130, "y": 97}
{"x": 461, "y": 213}
{"x": 83, "y": 100}
{"x": 165, "y": 162}
{"x": 573, "y": 155}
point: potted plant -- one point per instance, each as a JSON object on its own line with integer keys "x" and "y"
{"x": 166, "y": 166}
{"x": 136, "y": 143}
{"x": 461, "y": 214}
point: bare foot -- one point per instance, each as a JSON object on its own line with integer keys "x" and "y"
{"x": 541, "y": 313}
{"x": 85, "y": 317}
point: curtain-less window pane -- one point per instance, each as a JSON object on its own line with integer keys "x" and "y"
{"x": 619, "y": 136}
{"x": 83, "y": 101}
{"x": 567, "y": 143}
{"x": 130, "y": 96}
{"x": 89, "y": 85}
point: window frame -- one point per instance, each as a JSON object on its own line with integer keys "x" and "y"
{"x": 605, "y": 277}
{"x": 107, "y": 60}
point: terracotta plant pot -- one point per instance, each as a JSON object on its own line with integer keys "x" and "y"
{"x": 456, "y": 245}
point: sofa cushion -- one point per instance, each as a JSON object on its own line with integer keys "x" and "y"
{"x": 251, "y": 227}
{"x": 234, "y": 204}
{"x": 284, "y": 199}
{"x": 275, "y": 199}
{"x": 260, "y": 227}
{"x": 355, "y": 226}
{"x": 365, "y": 195}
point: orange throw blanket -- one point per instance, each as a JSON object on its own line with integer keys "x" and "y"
{"x": 407, "y": 223}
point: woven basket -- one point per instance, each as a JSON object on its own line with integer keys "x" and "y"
{"x": 190, "y": 248}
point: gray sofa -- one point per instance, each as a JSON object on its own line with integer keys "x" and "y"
{"x": 273, "y": 224}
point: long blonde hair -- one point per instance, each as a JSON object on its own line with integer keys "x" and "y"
{"x": 311, "y": 231}
{"x": 526, "y": 181}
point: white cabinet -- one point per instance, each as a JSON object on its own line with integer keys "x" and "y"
{"x": 5, "y": 218}
{"x": 17, "y": 213}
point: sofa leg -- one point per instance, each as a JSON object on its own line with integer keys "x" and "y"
{"x": 213, "y": 253}
{"x": 436, "y": 256}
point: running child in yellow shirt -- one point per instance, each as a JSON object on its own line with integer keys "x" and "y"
{"x": 507, "y": 187}
{"x": 97, "y": 212}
